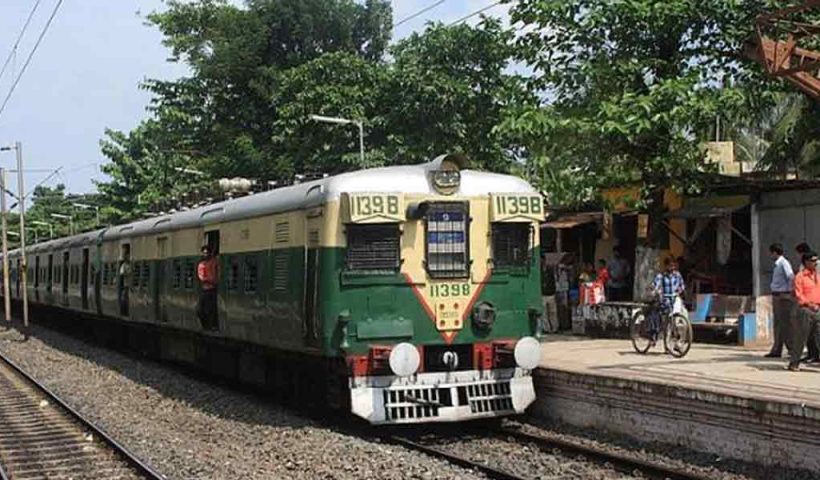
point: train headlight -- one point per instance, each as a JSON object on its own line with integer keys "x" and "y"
{"x": 484, "y": 316}
{"x": 527, "y": 353}
{"x": 446, "y": 176}
{"x": 404, "y": 359}
{"x": 446, "y": 180}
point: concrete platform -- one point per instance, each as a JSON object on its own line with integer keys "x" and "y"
{"x": 720, "y": 399}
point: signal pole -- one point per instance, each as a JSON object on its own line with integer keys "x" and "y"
{"x": 6, "y": 289}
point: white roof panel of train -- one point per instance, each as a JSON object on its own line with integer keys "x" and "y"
{"x": 394, "y": 179}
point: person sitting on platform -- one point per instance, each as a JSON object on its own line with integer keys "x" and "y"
{"x": 804, "y": 323}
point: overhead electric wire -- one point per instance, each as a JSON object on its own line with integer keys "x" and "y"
{"x": 477, "y": 12}
{"x": 31, "y": 55}
{"x": 420, "y": 12}
{"x": 19, "y": 38}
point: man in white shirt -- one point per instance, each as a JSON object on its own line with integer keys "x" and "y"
{"x": 782, "y": 286}
{"x": 618, "y": 277}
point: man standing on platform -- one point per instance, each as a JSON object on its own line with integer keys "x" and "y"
{"x": 807, "y": 291}
{"x": 781, "y": 286}
{"x": 618, "y": 277}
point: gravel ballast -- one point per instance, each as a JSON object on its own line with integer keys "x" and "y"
{"x": 192, "y": 429}
{"x": 189, "y": 429}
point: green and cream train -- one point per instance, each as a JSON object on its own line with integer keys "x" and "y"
{"x": 403, "y": 294}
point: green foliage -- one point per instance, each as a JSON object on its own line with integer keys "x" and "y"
{"x": 260, "y": 71}
{"x": 630, "y": 83}
{"x": 447, "y": 91}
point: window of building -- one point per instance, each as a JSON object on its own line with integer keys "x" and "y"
{"x": 373, "y": 248}
{"x": 511, "y": 244}
{"x": 447, "y": 239}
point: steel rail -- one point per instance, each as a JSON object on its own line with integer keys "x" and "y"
{"x": 490, "y": 472}
{"x": 142, "y": 468}
{"x": 619, "y": 461}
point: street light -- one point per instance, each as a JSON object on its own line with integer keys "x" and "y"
{"x": 190, "y": 171}
{"x": 345, "y": 121}
{"x": 65, "y": 217}
{"x": 86, "y": 206}
{"x": 45, "y": 224}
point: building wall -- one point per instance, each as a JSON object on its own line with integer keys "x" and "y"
{"x": 788, "y": 217}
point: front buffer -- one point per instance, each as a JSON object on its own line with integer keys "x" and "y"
{"x": 410, "y": 397}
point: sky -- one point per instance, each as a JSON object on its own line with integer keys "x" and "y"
{"x": 85, "y": 77}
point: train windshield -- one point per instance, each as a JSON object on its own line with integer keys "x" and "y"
{"x": 447, "y": 239}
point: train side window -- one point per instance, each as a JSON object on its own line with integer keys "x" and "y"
{"x": 447, "y": 240}
{"x": 189, "y": 274}
{"x": 176, "y": 280}
{"x": 511, "y": 243}
{"x": 146, "y": 274}
{"x": 251, "y": 274}
{"x": 136, "y": 277}
{"x": 233, "y": 273}
{"x": 373, "y": 248}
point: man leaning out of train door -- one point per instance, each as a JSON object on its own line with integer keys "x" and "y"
{"x": 207, "y": 272}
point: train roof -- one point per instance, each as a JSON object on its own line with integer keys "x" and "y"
{"x": 414, "y": 179}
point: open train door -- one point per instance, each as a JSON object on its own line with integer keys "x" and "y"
{"x": 158, "y": 292}
{"x": 84, "y": 278}
{"x": 311, "y": 323}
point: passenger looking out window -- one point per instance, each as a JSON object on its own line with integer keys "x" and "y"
{"x": 123, "y": 279}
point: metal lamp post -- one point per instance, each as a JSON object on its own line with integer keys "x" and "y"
{"x": 86, "y": 206}
{"x": 65, "y": 217}
{"x": 345, "y": 121}
{"x": 45, "y": 224}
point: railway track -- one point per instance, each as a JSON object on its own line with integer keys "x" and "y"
{"x": 620, "y": 462}
{"x": 41, "y": 437}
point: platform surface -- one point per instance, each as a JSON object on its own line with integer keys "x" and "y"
{"x": 720, "y": 369}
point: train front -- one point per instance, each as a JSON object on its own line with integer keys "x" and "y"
{"x": 439, "y": 295}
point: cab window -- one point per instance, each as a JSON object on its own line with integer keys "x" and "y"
{"x": 447, "y": 240}
{"x": 373, "y": 248}
{"x": 511, "y": 244}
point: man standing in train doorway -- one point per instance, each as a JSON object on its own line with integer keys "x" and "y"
{"x": 207, "y": 271}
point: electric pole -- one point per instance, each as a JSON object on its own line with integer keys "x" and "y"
{"x": 6, "y": 289}
{"x": 21, "y": 197}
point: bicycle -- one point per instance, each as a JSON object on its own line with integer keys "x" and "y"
{"x": 652, "y": 320}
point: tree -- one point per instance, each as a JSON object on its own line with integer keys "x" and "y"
{"x": 447, "y": 90}
{"x": 629, "y": 84}
{"x": 227, "y": 109}
{"x": 245, "y": 109}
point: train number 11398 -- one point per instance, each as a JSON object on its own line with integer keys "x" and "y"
{"x": 450, "y": 290}
{"x": 363, "y": 206}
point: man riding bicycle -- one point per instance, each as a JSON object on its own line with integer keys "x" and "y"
{"x": 667, "y": 287}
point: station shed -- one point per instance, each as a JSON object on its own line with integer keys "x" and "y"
{"x": 720, "y": 237}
